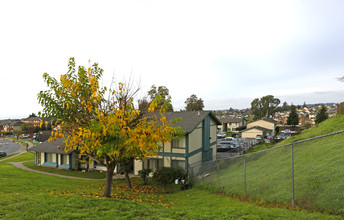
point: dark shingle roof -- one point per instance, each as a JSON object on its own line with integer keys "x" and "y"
{"x": 9, "y": 121}
{"x": 231, "y": 120}
{"x": 190, "y": 119}
{"x": 50, "y": 147}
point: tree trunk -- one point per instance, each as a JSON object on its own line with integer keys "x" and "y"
{"x": 127, "y": 179}
{"x": 110, "y": 167}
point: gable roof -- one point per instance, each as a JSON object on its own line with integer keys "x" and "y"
{"x": 256, "y": 127}
{"x": 231, "y": 120}
{"x": 269, "y": 120}
{"x": 50, "y": 147}
{"x": 32, "y": 119}
{"x": 190, "y": 119}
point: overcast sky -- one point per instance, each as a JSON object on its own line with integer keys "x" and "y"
{"x": 225, "y": 52}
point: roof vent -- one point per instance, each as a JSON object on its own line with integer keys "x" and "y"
{"x": 198, "y": 113}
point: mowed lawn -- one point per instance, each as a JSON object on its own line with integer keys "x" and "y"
{"x": 28, "y": 195}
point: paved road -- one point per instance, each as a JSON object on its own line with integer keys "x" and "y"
{"x": 10, "y": 147}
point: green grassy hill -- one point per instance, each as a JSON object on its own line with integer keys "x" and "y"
{"x": 27, "y": 195}
{"x": 318, "y": 171}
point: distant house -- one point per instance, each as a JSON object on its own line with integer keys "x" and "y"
{"x": 230, "y": 124}
{"x": 197, "y": 145}
{"x": 34, "y": 121}
{"x": 10, "y": 125}
{"x": 264, "y": 127}
{"x": 48, "y": 154}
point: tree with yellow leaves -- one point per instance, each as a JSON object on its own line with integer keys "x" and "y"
{"x": 110, "y": 131}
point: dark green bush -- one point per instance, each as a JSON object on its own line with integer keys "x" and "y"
{"x": 166, "y": 175}
{"x": 144, "y": 175}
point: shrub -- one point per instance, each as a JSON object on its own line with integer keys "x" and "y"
{"x": 144, "y": 174}
{"x": 166, "y": 175}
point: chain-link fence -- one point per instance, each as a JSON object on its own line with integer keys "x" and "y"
{"x": 308, "y": 174}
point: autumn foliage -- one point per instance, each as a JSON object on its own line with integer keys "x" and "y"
{"x": 108, "y": 130}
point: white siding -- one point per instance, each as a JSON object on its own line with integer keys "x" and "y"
{"x": 42, "y": 158}
{"x": 137, "y": 166}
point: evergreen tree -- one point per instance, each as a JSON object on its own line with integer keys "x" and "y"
{"x": 321, "y": 114}
{"x": 293, "y": 118}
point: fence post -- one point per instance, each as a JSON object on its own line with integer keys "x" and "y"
{"x": 218, "y": 174}
{"x": 292, "y": 175}
{"x": 245, "y": 175}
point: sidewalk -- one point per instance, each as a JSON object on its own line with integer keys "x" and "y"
{"x": 21, "y": 166}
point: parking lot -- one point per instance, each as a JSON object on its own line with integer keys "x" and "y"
{"x": 246, "y": 144}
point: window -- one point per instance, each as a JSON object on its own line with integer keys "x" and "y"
{"x": 154, "y": 164}
{"x": 65, "y": 159}
{"x": 177, "y": 143}
{"x": 178, "y": 163}
{"x": 49, "y": 157}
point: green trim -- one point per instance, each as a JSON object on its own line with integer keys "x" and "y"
{"x": 179, "y": 148}
{"x": 187, "y": 143}
{"x": 172, "y": 154}
{"x": 194, "y": 152}
{"x": 187, "y": 152}
{"x": 163, "y": 157}
{"x": 70, "y": 162}
{"x": 213, "y": 143}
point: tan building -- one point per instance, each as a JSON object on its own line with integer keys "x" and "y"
{"x": 34, "y": 121}
{"x": 231, "y": 124}
{"x": 263, "y": 127}
{"x": 197, "y": 145}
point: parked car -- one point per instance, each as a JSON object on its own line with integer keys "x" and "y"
{"x": 224, "y": 148}
{"x": 24, "y": 136}
{"x": 3, "y": 154}
{"x": 221, "y": 135}
{"x": 233, "y": 146}
{"x": 259, "y": 137}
